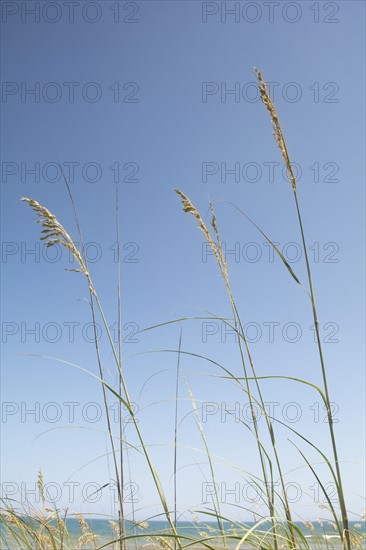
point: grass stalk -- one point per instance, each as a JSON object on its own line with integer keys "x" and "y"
{"x": 188, "y": 207}
{"x": 54, "y": 233}
{"x": 282, "y": 145}
{"x": 176, "y": 431}
{"x": 119, "y": 481}
{"x": 120, "y": 419}
{"x": 215, "y": 497}
{"x": 341, "y": 497}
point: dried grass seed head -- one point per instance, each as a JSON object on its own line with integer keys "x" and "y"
{"x": 278, "y": 135}
{"x": 54, "y": 233}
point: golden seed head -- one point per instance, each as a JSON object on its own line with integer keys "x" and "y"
{"x": 215, "y": 247}
{"x": 54, "y": 233}
{"x": 278, "y": 135}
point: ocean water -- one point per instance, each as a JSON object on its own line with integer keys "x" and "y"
{"x": 319, "y": 536}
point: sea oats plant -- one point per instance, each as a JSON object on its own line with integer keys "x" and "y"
{"x": 32, "y": 529}
{"x": 282, "y": 145}
{"x": 216, "y": 247}
{"x": 54, "y": 233}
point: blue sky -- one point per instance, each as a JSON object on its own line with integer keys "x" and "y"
{"x": 146, "y": 94}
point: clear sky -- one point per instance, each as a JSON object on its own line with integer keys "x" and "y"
{"x": 159, "y": 95}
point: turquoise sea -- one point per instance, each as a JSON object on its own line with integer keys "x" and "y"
{"x": 320, "y": 536}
